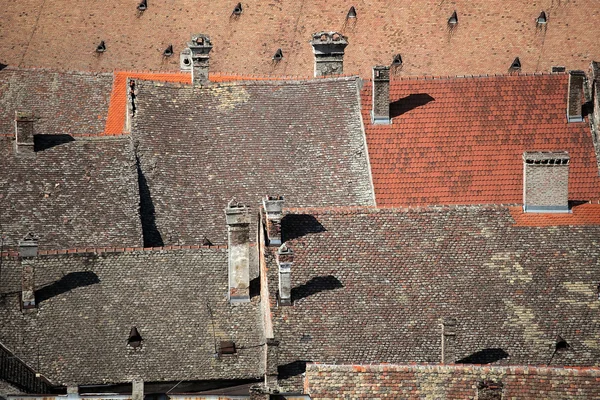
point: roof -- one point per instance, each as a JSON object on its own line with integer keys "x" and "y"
{"x": 489, "y": 35}
{"x": 450, "y": 382}
{"x": 200, "y": 147}
{"x": 63, "y": 102}
{"x": 74, "y": 192}
{"x": 374, "y": 285}
{"x": 88, "y": 302}
{"x": 461, "y": 140}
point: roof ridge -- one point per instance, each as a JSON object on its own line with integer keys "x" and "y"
{"x": 516, "y": 368}
{"x": 101, "y": 250}
{"x": 469, "y": 76}
{"x": 57, "y": 70}
{"x": 371, "y": 209}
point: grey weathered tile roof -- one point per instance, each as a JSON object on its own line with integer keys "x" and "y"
{"x": 63, "y": 102}
{"x": 201, "y": 147}
{"x": 372, "y": 286}
{"x": 88, "y": 302}
{"x": 78, "y": 193}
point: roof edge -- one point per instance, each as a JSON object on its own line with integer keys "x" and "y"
{"x": 104, "y": 250}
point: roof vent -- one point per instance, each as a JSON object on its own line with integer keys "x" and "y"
{"x": 397, "y": 61}
{"x": 542, "y": 19}
{"x": 143, "y": 6}
{"x": 278, "y": 55}
{"x": 226, "y": 347}
{"x": 516, "y": 65}
{"x": 101, "y": 48}
{"x": 453, "y": 20}
{"x": 237, "y": 10}
{"x": 168, "y": 51}
{"x": 561, "y": 344}
{"x": 351, "y": 13}
{"x": 135, "y": 339}
{"x": 206, "y": 242}
{"x": 558, "y": 68}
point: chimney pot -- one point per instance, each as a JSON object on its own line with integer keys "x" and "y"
{"x": 238, "y": 232}
{"x": 380, "y": 113}
{"x": 285, "y": 260}
{"x": 328, "y": 48}
{"x": 546, "y": 182}
{"x": 28, "y": 246}
{"x": 24, "y": 132}
{"x": 574, "y": 102}
{"x": 273, "y": 206}
{"x": 200, "y": 47}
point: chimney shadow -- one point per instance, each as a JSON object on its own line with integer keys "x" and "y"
{"x": 587, "y": 108}
{"x": 294, "y": 368}
{"x": 150, "y": 233}
{"x": 45, "y": 142}
{"x": 70, "y": 281}
{"x": 255, "y": 287}
{"x": 575, "y": 203}
{"x": 297, "y": 225}
{"x": 408, "y": 103}
{"x": 316, "y": 285}
{"x": 485, "y": 356}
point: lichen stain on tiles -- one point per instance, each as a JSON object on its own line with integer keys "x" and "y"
{"x": 524, "y": 318}
{"x": 432, "y": 386}
{"x": 592, "y": 343}
{"x": 229, "y": 96}
{"x": 580, "y": 293}
{"x": 511, "y": 270}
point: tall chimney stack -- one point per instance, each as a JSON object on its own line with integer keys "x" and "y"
{"x": 238, "y": 232}
{"x": 24, "y": 132}
{"x": 380, "y": 114}
{"x": 448, "y": 341}
{"x": 328, "y": 48}
{"x": 274, "y": 213}
{"x": 28, "y": 250}
{"x": 137, "y": 389}
{"x": 546, "y": 182}
{"x": 285, "y": 260}
{"x": 574, "y": 102}
{"x": 200, "y": 46}
{"x": 595, "y": 91}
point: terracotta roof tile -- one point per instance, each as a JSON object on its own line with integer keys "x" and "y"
{"x": 585, "y": 214}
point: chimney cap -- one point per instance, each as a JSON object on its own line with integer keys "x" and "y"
{"x": 199, "y": 41}
{"x": 237, "y": 213}
{"x": 28, "y": 246}
{"x": 546, "y": 157}
{"x": 329, "y": 37}
{"x": 24, "y": 115}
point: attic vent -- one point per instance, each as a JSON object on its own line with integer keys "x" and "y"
{"x": 453, "y": 20}
{"x": 135, "y": 339}
{"x": 101, "y": 48}
{"x": 278, "y": 55}
{"x": 561, "y": 344}
{"x": 351, "y": 13}
{"x": 397, "y": 61}
{"x": 237, "y": 10}
{"x": 226, "y": 347}
{"x": 489, "y": 390}
{"x": 558, "y": 69}
{"x": 541, "y": 20}
{"x": 516, "y": 65}
{"x": 143, "y": 6}
{"x": 168, "y": 51}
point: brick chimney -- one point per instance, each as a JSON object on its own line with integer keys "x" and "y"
{"x": 274, "y": 213}
{"x": 200, "y": 46}
{"x": 546, "y": 181}
{"x": 380, "y": 114}
{"x": 448, "y": 340}
{"x": 238, "y": 231}
{"x": 28, "y": 250}
{"x": 328, "y": 48}
{"x": 574, "y": 102}
{"x": 285, "y": 260}
{"x": 24, "y": 132}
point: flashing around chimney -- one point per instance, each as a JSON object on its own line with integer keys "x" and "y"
{"x": 238, "y": 232}
{"x": 273, "y": 206}
{"x": 328, "y": 48}
{"x": 200, "y": 47}
{"x": 24, "y": 131}
{"x": 546, "y": 182}
{"x": 380, "y": 113}
{"x": 285, "y": 260}
{"x": 575, "y": 103}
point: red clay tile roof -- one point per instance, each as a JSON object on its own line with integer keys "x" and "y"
{"x": 585, "y": 214}
{"x": 461, "y": 140}
{"x": 489, "y": 35}
{"x": 450, "y": 382}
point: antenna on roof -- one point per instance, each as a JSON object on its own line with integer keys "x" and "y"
{"x": 143, "y": 6}
{"x": 453, "y": 20}
{"x": 542, "y": 19}
{"x": 516, "y": 65}
{"x": 351, "y": 13}
{"x": 168, "y": 51}
{"x": 237, "y": 10}
{"x": 135, "y": 339}
{"x": 278, "y": 55}
{"x": 101, "y": 48}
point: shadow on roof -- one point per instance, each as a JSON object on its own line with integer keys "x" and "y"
{"x": 65, "y": 284}
{"x": 316, "y": 285}
{"x": 150, "y": 232}
{"x": 292, "y": 369}
{"x": 408, "y": 103}
{"x": 485, "y": 356}
{"x": 45, "y": 142}
{"x": 297, "y": 225}
{"x": 2, "y": 66}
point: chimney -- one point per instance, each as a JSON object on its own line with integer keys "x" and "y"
{"x": 285, "y": 259}
{"x": 448, "y": 340}
{"x": 274, "y": 210}
{"x": 199, "y": 47}
{"x": 380, "y": 113}
{"x": 546, "y": 182}
{"x": 238, "y": 231}
{"x": 28, "y": 250}
{"x": 24, "y": 132}
{"x": 272, "y": 362}
{"x": 574, "y": 105}
{"x": 259, "y": 392}
{"x": 137, "y": 389}
{"x": 595, "y": 91}
{"x": 328, "y": 48}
